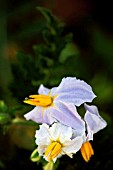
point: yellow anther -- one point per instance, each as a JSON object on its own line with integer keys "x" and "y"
{"x": 90, "y": 148}
{"x": 56, "y": 148}
{"x": 53, "y": 150}
{"x": 87, "y": 151}
{"x": 50, "y": 147}
{"x": 39, "y": 100}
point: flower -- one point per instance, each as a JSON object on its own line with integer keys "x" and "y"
{"x": 57, "y": 140}
{"x": 94, "y": 123}
{"x": 52, "y": 102}
{"x": 89, "y": 125}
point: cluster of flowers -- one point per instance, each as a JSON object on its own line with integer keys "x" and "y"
{"x": 63, "y": 130}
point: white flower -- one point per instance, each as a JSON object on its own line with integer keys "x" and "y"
{"x": 57, "y": 140}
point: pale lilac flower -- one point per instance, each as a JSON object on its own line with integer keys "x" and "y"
{"x": 56, "y": 140}
{"x": 51, "y": 103}
{"x": 94, "y": 123}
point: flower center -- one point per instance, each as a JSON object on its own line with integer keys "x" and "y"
{"x": 39, "y": 100}
{"x": 87, "y": 151}
{"x": 53, "y": 150}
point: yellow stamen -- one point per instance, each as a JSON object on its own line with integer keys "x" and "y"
{"x": 56, "y": 153}
{"x": 90, "y": 148}
{"x": 53, "y": 150}
{"x": 87, "y": 151}
{"x": 39, "y": 100}
{"x": 56, "y": 148}
{"x": 50, "y": 147}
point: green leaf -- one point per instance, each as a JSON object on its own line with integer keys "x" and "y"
{"x": 103, "y": 89}
{"x": 22, "y": 134}
{"x": 4, "y": 118}
{"x": 3, "y": 107}
{"x": 69, "y": 50}
{"x": 50, "y": 18}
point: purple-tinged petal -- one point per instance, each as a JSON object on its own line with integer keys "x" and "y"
{"x": 89, "y": 135}
{"x": 92, "y": 109}
{"x": 53, "y": 91}
{"x": 46, "y": 91}
{"x": 93, "y": 119}
{"x": 38, "y": 115}
{"x": 74, "y": 91}
{"x": 43, "y": 90}
{"x": 67, "y": 115}
{"x": 48, "y": 112}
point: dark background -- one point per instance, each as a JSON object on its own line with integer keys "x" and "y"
{"x": 91, "y": 24}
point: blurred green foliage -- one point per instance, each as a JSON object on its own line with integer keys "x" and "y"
{"x": 47, "y": 63}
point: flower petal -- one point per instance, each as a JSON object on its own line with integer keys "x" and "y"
{"x": 74, "y": 91}
{"x": 73, "y": 146}
{"x": 89, "y": 135}
{"x": 48, "y": 112}
{"x": 57, "y": 134}
{"x": 41, "y": 149}
{"x": 93, "y": 119}
{"x": 67, "y": 115}
{"x": 60, "y": 132}
{"x": 46, "y": 91}
{"x": 38, "y": 114}
{"x": 43, "y": 90}
{"x": 42, "y": 135}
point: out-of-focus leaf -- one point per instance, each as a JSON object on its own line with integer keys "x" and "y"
{"x": 30, "y": 30}
{"x": 22, "y": 135}
{"x": 103, "y": 46}
{"x": 2, "y": 165}
{"x": 3, "y": 107}
{"x": 69, "y": 50}
{"x": 50, "y": 19}
{"x": 21, "y": 121}
{"x": 107, "y": 118}
{"x": 103, "y": 88}
{"x": 4, "y": 118}
{"x": 39, "y": 67}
